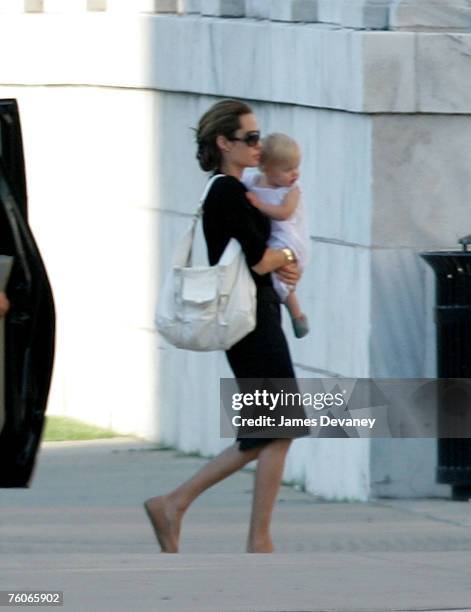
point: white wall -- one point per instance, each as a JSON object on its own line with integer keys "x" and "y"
{"x": 107, "y": 198}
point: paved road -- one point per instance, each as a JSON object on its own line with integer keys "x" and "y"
{"x": 81, "y": 529}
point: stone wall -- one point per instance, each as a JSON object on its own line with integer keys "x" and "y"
{"x": 411, "y": 15}
{"x": 108, "y": 95}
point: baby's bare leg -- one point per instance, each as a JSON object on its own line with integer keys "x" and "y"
{"x": 293, "y": 306}
{"x": 298, "y": 318}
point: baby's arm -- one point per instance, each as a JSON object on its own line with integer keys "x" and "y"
{"x": 279, "y": 212}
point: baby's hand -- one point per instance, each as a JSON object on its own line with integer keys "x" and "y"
{"x": 252, "y": 198}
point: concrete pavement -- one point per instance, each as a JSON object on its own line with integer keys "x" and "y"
{"x": 81, "y": 529}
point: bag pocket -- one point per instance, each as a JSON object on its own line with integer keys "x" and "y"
{"x": 199, "y": 285}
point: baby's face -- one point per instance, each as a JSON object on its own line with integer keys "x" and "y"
{"x": 283, "y": 175}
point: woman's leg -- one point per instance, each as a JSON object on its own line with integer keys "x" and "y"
{"x": 271, "y": 460}
{"x": 166, "y": 511}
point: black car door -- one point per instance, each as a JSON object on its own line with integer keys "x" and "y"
{"x": 30, "y": 322}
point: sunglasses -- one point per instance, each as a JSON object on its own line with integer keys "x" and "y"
{"x": 251, "y": 139}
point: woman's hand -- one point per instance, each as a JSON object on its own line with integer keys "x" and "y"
{"x": 289, "y": 273}
{"x": 4, "y": 304}
{"x": 275, "y": 260}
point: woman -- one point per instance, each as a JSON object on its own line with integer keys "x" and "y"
{"x": 228, "y": 140}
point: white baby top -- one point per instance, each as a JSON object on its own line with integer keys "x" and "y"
{"x": 293, "y": 232}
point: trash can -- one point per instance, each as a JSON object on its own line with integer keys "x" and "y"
{"x": 453, "y": 320}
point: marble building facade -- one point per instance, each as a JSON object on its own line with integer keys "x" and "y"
{"x": 376, "y": 93}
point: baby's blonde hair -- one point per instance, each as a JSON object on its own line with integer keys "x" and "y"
{"x": 278, "y": 149}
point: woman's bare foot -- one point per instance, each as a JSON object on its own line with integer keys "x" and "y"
{"x": 166, "y": 521}
{"x": 260, "y": 545}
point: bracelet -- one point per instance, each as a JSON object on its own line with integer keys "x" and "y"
{"x": 290, "y": 256}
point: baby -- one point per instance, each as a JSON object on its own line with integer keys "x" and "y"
{"x": 274, "y": 191}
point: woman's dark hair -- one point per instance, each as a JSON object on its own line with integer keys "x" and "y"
{"x": 222, "y": 119}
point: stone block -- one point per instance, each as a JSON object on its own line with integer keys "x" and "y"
{"x": 190, "y": 6}
{"x": 33, "y": 6}
{"x": 399, "y": 326}
{"x": 223, "y": 8}
{"x": 348, "y": 459}
{"x": 294, "y": 10}
{"x": 443, "y": 62}
{"x": 341, "y": 348}
{"x": 421, "y": 181}
{"x": 365, "y": 14}
{"x": 258, "y": 9}
{"x": 405, "y": 468}
{"x": 21, "y": 6}
{"x": 388, "y": 71}
{"x": 329, "y": 12}
{"x": 143, "y": 6}
{"x": 430, "y": 14}
{"x": 329, "y": 59}
{"x": 96, "y": 5}
{"x": 59, "y": 6}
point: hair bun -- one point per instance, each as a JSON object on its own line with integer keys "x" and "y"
{"x": 223, "y": 118}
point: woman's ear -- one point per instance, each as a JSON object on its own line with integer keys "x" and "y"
{"x": 222, "y": 143}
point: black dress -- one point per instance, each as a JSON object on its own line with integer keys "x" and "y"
{"x": 264, "y": 353}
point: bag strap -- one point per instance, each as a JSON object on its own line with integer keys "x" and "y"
{"x": 183, "y": 252}
{"x": 209, "y": 184}
{"x": 199, "y": 213}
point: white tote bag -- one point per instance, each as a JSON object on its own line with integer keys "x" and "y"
{"x": 206, "y": 308}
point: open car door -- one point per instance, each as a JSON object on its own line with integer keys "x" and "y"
{"x": 27, "y": 349}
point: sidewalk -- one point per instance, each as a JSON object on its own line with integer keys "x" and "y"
{"x": 81, "y": 529}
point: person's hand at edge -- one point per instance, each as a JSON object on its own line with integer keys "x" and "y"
{"x": 4, "y": 304}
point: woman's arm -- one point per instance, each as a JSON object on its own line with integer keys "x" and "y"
{"x": 279, "y": 212}
{"x": 277, "y": 259}
{"x": 228, "y": 198}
